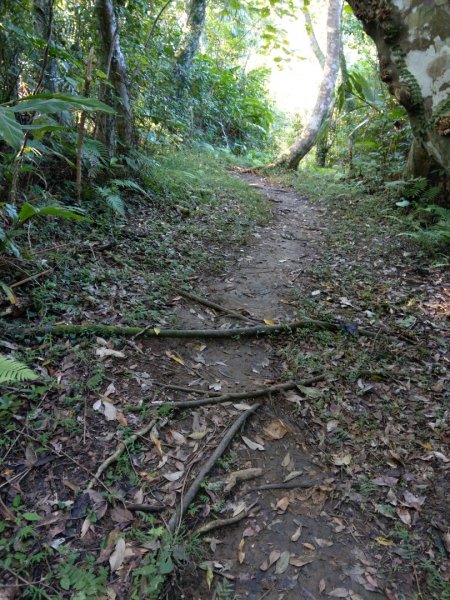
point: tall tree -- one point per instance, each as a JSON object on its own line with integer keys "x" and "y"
{"x": 291, "y": 157}
{"x": 43, "y": 13}
{"x": 190, "y": 39}
{"x": 114, "y": 65}
{"x": 413, "y": 41}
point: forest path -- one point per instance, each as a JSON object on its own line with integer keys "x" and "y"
{"x": 328, "y": 554}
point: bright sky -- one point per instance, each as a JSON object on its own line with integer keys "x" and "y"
{"x": 294, "y": 85}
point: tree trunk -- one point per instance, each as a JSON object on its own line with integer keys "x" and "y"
{"x": 113, "y": 63}
{"x": 42, "y": 12}
{"x": 413, "y": 40}
{"x": 291, "y": 157}
{"x": 190, "y": 39}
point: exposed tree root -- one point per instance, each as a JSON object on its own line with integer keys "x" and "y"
{"x": 113, "y": 330}
{"x": 279, "y": 387}
{"x": 119, "y": 451}
{"x": 177, "y": 518}
{"x": 218, "y": 523}
{"x": 243, "y": 475}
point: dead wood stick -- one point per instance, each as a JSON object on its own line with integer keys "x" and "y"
{"x": 279, "y": 387}
{"x": 185, "y": 388}
{"x": 27, "y": 279}
{"x": 289, "y": 485}
{"x": 119, "y": 451}
{"x": 147, "y": 508}
{"x": 210, "y": 304}
{"x": 177, "y": 518}
{"x": 218, "y": 523}
{"x": 112, "y": 330}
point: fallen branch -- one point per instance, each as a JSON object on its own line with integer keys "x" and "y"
{"x": 279, "y": 387}
{"x": 147, "y": 508}
{"x": 177, "y": 518}
{"x": 218, "y": 523}
{"x": 214, "y": 305}
{"x": 31, "y": 278}
{"x": 119, "y": 451}
{"x": 185, "y": 388}
{"x": 153, "y": 332}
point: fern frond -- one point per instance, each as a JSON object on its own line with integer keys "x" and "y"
{"x": 129, "y": 184}
{"x": 115, "y": 202}
{"x": 13, "y": 371}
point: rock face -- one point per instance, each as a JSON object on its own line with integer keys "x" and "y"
{"x": 413, "y": 43}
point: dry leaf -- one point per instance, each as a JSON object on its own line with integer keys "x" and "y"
{"x": 340, "y": 593}
{"x": 332, "y": 425}
{"x": 292, "y": 475}
{"x": 105, "y": 352}
{"x": 269, "y": 321}
{"x": 174, "y": 356}
{"x": 282, "y": 563}
{"x": 175, "y": 476}
{"x": 273, "y": 557}
{"x": 323, "y": 543}
{"x": 405, "y": 516}
{"x": 241, "y": 553}
{"x": 155, "y": 440}
{"x": 286, "y": 460}
{"x": 302, "y": 560}
{"x": 109, "y": 410}
{"x": 282, "y": 504}
{"x": 85, "y": 527}
{"x": 239, "y": 508}
{"x": 383, "y": 541}
{"x": 296, "y": 535}
{"x": 252, "y": 445}
{"x": 116, "y": 558}
{"x": 322, "y": 586}
{"x": 107, "y": 550}
{"x": 275, "y": 430}
{"x": 308, "y": 546}
{"x": 341, "y": 459}
{"x": 198, "y": 435}
{"x": 121, "y": 515}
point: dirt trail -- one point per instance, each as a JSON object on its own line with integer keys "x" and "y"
{"x": 327, "y": 556}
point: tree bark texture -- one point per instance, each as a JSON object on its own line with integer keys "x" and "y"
{"x": 42, "y": 18}
{"x": 290, "y": 158}
{"x": 114, "y": 65}
{"x": 413, "y": 42}
{"x": 190, "y": 39}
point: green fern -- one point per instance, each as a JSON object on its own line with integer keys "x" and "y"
{"x": 13, "y": 371}
{"x": 113, "y": 199}
{"x": 129, "y": 184}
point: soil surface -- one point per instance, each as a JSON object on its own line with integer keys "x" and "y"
{"x": 330, "y": 551}
{"x": 351, "y": 490}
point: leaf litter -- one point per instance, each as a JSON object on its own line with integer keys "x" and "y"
{"x": 375, "y": 428}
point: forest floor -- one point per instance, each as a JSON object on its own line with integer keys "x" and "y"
{"x": 349, "y": 482}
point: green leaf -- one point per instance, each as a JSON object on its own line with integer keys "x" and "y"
{"x": 53, "y": 103}
{"x": 29, "y": 516}
{"x": 9, "y": 293}
{"x": 12, "y": 371}
{"x": 27, "y": 211}
{"x": 10, "y": 129}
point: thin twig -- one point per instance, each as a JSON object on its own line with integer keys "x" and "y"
{"x": 206, "y": 302}
{"x": 27, "y": 279}
{"x": 279, "y": 387}
{"x": 177, "y": 518}
{"x": 119, "y": 451}
{"x": 185, "y": 388}
{"x": 288, "y": 485}
{"x": 147, "y": 508}
{"x": 29, "y": 583}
